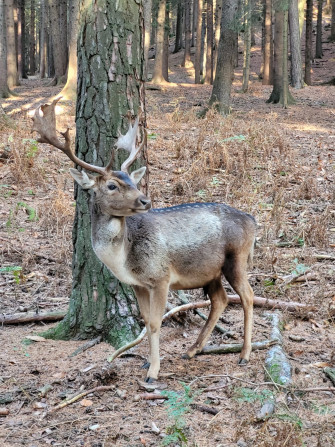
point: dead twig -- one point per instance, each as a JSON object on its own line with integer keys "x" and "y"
{"x": 67, "y": 402}
{"x": 149, "y": 396}
{"x": 86, "y": 346}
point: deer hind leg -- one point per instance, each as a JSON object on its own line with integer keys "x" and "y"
{"x": 158, "y": 298}
{"x": 236, "y": 274}
{"x": 143, "y": 299}
{"x": 219, "y": 301}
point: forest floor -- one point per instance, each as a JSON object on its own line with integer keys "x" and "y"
{"x": 277, "y": 164}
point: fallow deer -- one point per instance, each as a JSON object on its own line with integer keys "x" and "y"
{"x": 181, "y": 247}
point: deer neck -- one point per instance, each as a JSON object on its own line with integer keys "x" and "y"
{"x": 109, "y": 231}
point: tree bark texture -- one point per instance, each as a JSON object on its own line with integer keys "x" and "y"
{"x": 42, "y": 40}
{"x": 318, "y": 42}
{"x": 187, "y": 54}
{"x": 4, "y": 90}
{"x": 19, "y": 40}
{"x": 308, "y": 44}
{"x": 209, "y": 55}
{"x": 296, "y": 63}
{"x": 166, "y": 46}
{"x": 221, "y": 92}
{"x": 198, "y": 43}
{"x": 194, "y": 22}
{"x": 110, "y": 83}
{"x": 218, "y": 15}
{"x": 268, "y": 44}
{"x": 158, "y": 76}
{"x": 10, "y": 44}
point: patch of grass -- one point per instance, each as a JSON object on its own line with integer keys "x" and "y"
{"x": 32, "y": 216}
{"x": 242, "y": 394}
{"x": 177, "y": 405}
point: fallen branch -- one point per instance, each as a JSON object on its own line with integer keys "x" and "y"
{"x": 29, "y": 317}
{"x": 205, "y": 409}
{"x": 236, "y": 347}
{"x": 67, "y": 402}
{"x": 259, "y": 301}
{"x": 149, "y": 396}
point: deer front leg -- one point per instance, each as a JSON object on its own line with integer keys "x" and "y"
{"x": 143, "y": 299}
{"x": 158, "y": 298}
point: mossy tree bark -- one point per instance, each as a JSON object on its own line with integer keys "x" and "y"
{"x": 110, "y": 82}
{"x": 220, "y": 98}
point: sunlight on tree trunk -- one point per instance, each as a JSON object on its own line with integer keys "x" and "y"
{"x": 268, "y": 44}
{"x": 296, "y": 64}
{"x": 247, "y": 45}
{"x": 158, "y": 76}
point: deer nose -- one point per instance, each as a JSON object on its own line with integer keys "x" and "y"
{"x": 146, "y": 203}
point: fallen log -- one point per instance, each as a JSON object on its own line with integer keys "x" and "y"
{"x": 29, "y": 317}
{"x": 236, "y": 347}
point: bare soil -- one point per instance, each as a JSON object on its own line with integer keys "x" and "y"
{"x": 276, "y": 164}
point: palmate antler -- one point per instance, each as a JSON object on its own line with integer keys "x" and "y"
{"x": 45, "y": 125}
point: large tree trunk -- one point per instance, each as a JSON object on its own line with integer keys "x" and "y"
{"x": 318, "y": 42}
{"x": 198, "y": 43}
{"x": 296, "y": 65}
{"x": 187, "y": 54}
{"x": 110, "y": 51}
{"x": 4, "y": 90}
{"x": 209, "y": 54}
{"x": 308, "y": 44}
{"x": 221, "y": 92}
{"x": 158, "y": 77}
{"x": 69, "y": 90}
{"x": 10, "y": 40}
{"x": 280, "y": 92}
{"x": 268, "y": 44}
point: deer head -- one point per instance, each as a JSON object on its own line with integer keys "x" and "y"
{"x": 116, "y": 192}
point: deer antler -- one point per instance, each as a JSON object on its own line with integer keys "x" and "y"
{"x": 45, "y": 125}
{"x": 128, "y": 142}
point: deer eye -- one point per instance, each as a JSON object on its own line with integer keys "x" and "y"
{"x": 111, "y": 186}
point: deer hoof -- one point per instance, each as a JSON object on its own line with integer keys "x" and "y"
{"x": 145, "y": 365}
{"x": 243, "y": 362}
{"x": 186, "y": 356}
{"x": 150, "y": 380}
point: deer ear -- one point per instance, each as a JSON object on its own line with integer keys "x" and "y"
{"x": 85, "y": 181}
{"x": 138, "y": 174}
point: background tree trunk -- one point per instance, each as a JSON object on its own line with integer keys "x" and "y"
{"x": 32, "y": 41}
{"x": 218, "y": 15}
{"x": 268, "y": 44}
{"x": 280, "y": 92}
{"x": 179, "y": 28}
{"x": 69, "y": 90}
{"x": 187, "y": 54}
{"x": 318, "y": 42}
{"x": 194, "y": 21}
{"x": 58, "y": 50}
{"x": 10, "y": 44}
{"x": 198, "y": 44}
{"x": 332, "y": 27}
{"x": 209, "y": 53}
{"x": 221, "y": 92}
{"x": 166, "y": 47}
{"x": 158, "y": 76}
{"x": 4, "y": 90}
{"x": 308, "y": 44}
{"x": 247, "y": 45}
{"x": 296, "y": 65}
{"x": 107, "y": 89}
{"x": 42, "y": 40}
{"x": 147, "y": 12}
